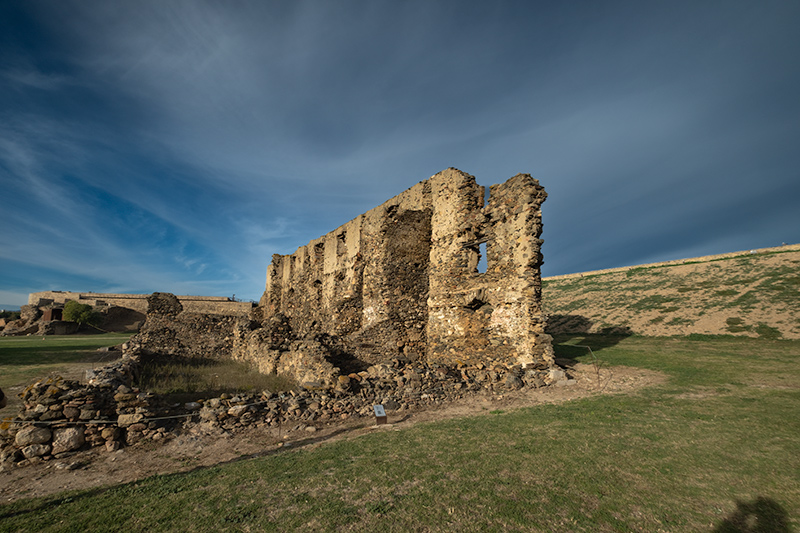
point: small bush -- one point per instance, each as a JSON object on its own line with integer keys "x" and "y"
{"x": 768, "y": 332}
{"x": 727, "y": 292}
{"x": 736, "y": 325}
{"x": 82, "y": 314}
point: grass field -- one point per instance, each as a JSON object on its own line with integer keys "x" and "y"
{"x": 190, "y": 380}
{"x": 714, "y": 448}
{"x": 24, "y": 359}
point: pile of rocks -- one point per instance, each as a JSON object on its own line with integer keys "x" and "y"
{"x": 398, "y": 387}
{"x": 26, "y": 324}
{"x": 60, "y": 417}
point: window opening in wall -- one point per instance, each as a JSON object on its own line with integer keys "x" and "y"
{"x": 318, "y": 289}
{"x": 341, "y": 245}
{"x": 482, "y": 264}
{"x": 476, "y": 255}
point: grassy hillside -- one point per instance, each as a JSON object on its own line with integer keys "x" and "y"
{"x": 749, "y": 294}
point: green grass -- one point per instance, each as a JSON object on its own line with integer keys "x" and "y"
{"x": 24, "y": 359}
{"x": 654, "y": 301}
{"x": 719, "y": 436}
{"x": 203, "y": 378}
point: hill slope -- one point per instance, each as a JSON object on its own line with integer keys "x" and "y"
{"x": 754, "y": 293}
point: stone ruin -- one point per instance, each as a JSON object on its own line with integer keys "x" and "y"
{"x": 35, "y": 320}
{"x": 401, "y": 282}
{"x": 388, "y": 309}
{"x": 119, "y": 312}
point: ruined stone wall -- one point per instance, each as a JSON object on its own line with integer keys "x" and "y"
{"x": 216, "y": 305}
{"x": 495, "y": 315}
{"x": 172, "y": 331}
{"x": 401, "y": 280}
{"x": 366, "y": 281}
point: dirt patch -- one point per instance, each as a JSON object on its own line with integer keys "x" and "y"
{"x": 698, "y": 393}
{"x": 204, "y": 447}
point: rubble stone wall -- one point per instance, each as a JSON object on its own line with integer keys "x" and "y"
{"x": 172, "y": 331}
{"x": 402, "y": 280}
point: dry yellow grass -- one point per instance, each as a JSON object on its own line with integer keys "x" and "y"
{"x": 750, "y": 294}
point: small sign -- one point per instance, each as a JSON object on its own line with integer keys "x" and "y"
{"x": 380, "y": 414}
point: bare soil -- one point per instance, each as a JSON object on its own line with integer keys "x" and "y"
{"x": 204, "y": 447}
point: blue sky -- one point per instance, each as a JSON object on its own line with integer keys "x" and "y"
{"x": 175, "y": 146}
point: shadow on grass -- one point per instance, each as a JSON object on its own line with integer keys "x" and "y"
{"x": 572, "y": 338}
{"x": 58, "y": 356}
{"x": 34, "y": 505}
{"x": 558, "y": 325}
{"x": 762, "y": 515}
{"x": 573, "y": 333}
{"x": 61, "y": 349}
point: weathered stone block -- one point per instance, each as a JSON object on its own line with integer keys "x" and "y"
{"x": 126, "y": 420}
{"x": 32, "y": 435}
{"x": 36, "y": 450}
{"x": 68, "y": 439}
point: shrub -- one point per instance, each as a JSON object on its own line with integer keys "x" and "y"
{"x": 83, "y": 314}
{"x": 768, "y": 332}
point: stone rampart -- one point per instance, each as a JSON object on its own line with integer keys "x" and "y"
{"x": 215, "y": 305}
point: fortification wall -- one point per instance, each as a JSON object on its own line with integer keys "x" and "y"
{"x": 402, "y": 280}
{"x": 137, "y": 302}
{"x": 690, "y": 260}
{"x": 216, "y": 305}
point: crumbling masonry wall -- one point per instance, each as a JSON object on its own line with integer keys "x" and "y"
{"x": 401, "y": 281}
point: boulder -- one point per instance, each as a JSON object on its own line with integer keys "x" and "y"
{"x": 29, "y": 313}
{"x": 68, "y": 439}
{"x": 237, "y": 410}
{"x": 129, "y": 420}
{"x": 36, "y": 450}
{"x": 32, "y": 435}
